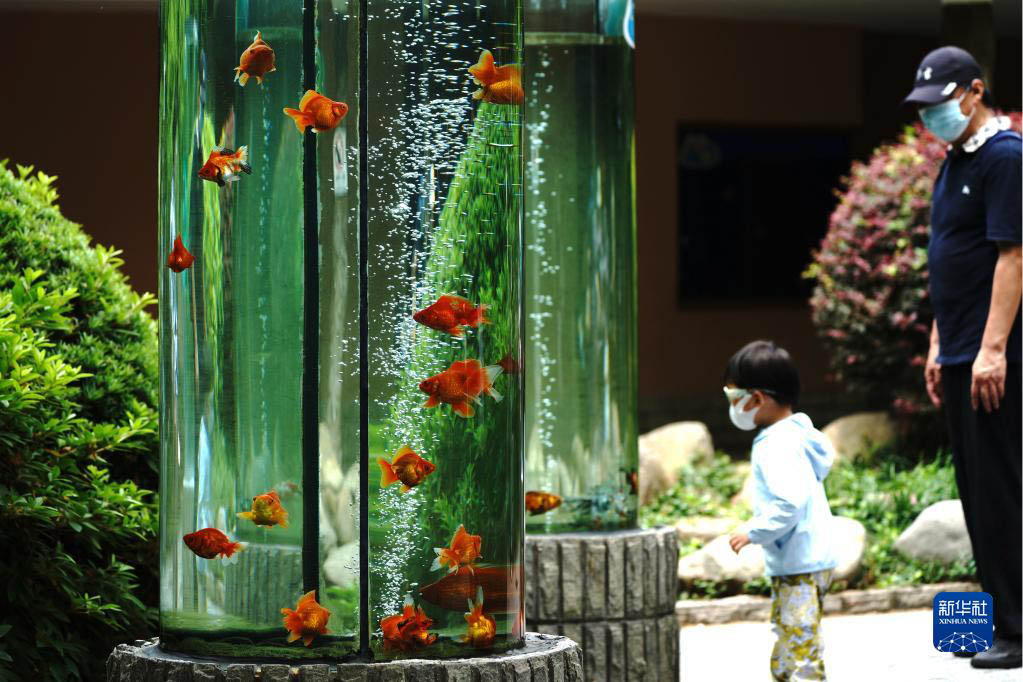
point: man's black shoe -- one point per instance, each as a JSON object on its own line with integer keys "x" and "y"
{"x": 1006, "y": 653}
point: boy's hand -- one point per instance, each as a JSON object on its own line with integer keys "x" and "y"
{"x": 738, "y": 541}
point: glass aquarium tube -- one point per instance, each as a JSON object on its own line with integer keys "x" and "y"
{"x": 581, "y": 379}
{"x": 340, "y": 328}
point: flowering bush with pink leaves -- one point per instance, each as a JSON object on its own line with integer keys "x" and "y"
{"x": 870, "y": 303}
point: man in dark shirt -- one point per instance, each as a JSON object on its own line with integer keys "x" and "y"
{"x": 974, "y": 363}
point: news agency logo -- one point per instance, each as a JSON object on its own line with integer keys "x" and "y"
{"x": 963, "y": 621}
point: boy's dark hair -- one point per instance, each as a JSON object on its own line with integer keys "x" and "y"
{"x": 765, "y": 366}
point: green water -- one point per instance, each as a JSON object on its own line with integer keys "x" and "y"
{"x": 581, "y": 375}
{"x": 444, "y": 192}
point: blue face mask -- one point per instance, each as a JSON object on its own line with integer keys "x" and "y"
{"x": 946, "y": 120}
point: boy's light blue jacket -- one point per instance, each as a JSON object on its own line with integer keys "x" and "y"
{"x": 791, "y": 516}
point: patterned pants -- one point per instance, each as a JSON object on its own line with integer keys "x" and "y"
{"x": 797, "y": 602}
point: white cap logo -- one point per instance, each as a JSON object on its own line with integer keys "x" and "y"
{"x": 948, "y": 89}
{"x": 924, "y": 74}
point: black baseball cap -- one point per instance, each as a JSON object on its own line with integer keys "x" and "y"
{"x": 940, "y": 73}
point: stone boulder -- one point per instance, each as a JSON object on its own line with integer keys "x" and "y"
{"x": 744, "y": 498}
{"x": 672, "y": 447}
{"x": 704, "y": 528}
{"x": 342, "y": 565}
{"x": 653, "y": 477}
{"x": 849, "y": 539}
{"x": 855, "y": 434}
{"x": 716, "y": 561}
{"x": 937, "y": 534}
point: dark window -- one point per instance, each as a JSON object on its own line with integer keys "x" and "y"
{"x": 752, "y": 204}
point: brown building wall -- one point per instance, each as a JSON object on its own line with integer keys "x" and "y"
{"x": 732, "y": 73}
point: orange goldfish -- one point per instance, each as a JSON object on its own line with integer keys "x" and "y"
{"x": 481, "y": 627}
{"x": 499, "y": 84}
{"x": 179, "y": 259}
{"x": 407, "y": 467}
{"x": 224, "y": 164}
{"x": 464, "y": 550}
{"x": 307, "y": 620}
{"x": 500, "y": 587}
{"x": 317, "y": 111}
{"x": 461, "y": 383}
{"x": 408, "y": 629}
{"x": 450, "y": 313}
{"x": 510, "y": 365}
{"x": 257, "y": 61}
{"x": 538, "y": 502}
{"x": 209, "y": 543}
{"x": 267, "y": 511}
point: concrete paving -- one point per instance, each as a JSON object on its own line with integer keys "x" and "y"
{"x": 876, "y": 647}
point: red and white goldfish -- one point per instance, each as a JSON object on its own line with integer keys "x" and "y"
{"x": 317, "y": 111}
{"x": 267, "y": 510}
{"x": 464, "y": 550}
{"x": 408, "y": 629}
{"x": 223, "y": 165}
{"x": 481, "y": 627}
{"x": 539, "y": 502}
{"x": 407, "y": 467}
{"x": 451, "y": 313}
{"x": 500, "y": 585}
{"x": 461, "y": 384}
{"x": 256, "y": 61}
{"x": 308, "y": 620}
{"x": 209, "y": 543}
{"x": 179, "y": 258}
{"x": 499, "y": 84}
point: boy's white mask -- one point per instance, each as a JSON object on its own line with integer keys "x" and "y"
{"x": 745, "y": 420}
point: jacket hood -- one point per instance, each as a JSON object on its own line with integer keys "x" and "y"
{"x": 816, "y": 446}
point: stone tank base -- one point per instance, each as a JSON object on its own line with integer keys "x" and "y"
{"x": 613, "y": 593}
{"x": 544, "y": 658}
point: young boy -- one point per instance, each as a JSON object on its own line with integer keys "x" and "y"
{"x": 791, "y": 516}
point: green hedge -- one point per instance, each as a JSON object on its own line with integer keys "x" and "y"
{"x": 78, "y": 443}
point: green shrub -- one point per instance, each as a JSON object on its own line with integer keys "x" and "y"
{"x": 77, "y": 425}
{"x": 870, "y": 303}
{"x": 702, "y": 490}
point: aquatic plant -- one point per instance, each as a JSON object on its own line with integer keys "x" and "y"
{"x": 474, "y": 254}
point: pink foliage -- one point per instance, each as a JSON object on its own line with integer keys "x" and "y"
{"x": 870, "y": 302}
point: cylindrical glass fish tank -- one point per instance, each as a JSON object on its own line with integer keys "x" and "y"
{"x": 581, "y": 379}
{"x": 340, "y": 230}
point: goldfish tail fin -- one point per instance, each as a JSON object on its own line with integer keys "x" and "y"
{"x": 300, "y": 119}
{"x": 479, "y": 316}
{"x": 493, "y": 371}
{"x": 243, "y": 154}
{"x": 283, "y": 522}
{"x": 387, "y": 475}
{"x": 258, "y": 37}
{"x": 233, "y": 547}
{"x": 463, "y": 409}
{"x": 483, "y": 70}
{"x": 436, "y": 565}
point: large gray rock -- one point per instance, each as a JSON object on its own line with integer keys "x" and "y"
{"x": 855, "y": 434}
{"x": 342, "y": 565}
{"x": 937, "y": 534}
{"x": 704, "y": 528}
{"x": 653, "y": 476}
{"x": 717, "y": 562}
{"x": 849, "y": 539}
{"x": 666, "y": 450}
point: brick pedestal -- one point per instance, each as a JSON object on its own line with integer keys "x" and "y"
{"x": 543, "y": 659}
{"x": 613, "y": 593}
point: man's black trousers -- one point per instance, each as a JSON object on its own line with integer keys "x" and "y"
{"x": 988, "y": 449}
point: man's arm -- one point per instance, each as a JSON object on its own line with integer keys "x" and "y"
{"x": 988, "y": 385}
{"x": 932, "y": 370}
